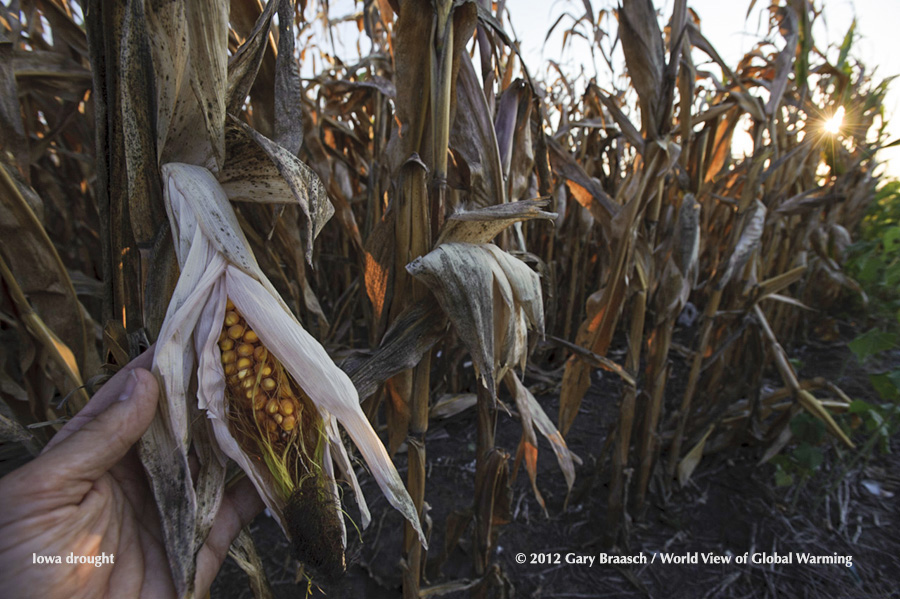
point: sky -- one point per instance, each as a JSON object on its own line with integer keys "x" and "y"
{"x": 725, "y": 23}
{"x": 728, "y": 28}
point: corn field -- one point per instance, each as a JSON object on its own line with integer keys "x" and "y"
{"x": 328, "y": 253}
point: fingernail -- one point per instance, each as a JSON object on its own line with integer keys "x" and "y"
{"x": 130, "y": 384}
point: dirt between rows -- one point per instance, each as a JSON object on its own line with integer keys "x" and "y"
{"x": 730, "y": 508}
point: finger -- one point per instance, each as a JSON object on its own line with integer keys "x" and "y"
{"x": 240, "y": 505}
{"x": 101, "y": 400}
{"x": 102, "y": 441}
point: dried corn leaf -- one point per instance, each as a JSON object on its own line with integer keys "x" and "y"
{"x": 645, "y": 57}
{"x": 243, "y": 552}
{"x": 448, "y": 406}
{"x": 244, "y": 64}
{"x": 136, "y": 85}
{"x": 596, "y": 200}
{"x": 690, "y": 462}
{"x": 746, "y": 244}
{"x": 526, "y": 403}
{"x": 39, "y": 271}
{"x": 482, "y": 225}
{"x": 784, "y": 61}
{"x": 288, "y": 121}
{"x": 687, "y": 243}
{"x": 208, "y": 26}
{"x": 472, "y": 134}
{"x": 169, "y": 47}
{"x": 257, "y": 169}
{"x": 12, "y": 131}
{"x": 413, "y": 332}
{"x": 486, "y": 294}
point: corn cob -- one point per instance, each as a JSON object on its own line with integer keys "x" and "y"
{"x": 262, "y": 397}
{"x": 273, "y": 419}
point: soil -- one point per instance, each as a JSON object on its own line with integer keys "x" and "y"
{"x": 730, "y": 507}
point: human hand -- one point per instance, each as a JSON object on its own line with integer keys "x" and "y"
{"x": 87, "y": 495}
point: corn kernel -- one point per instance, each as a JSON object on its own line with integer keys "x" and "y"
{"x": 287, "y": 407}
{"x": 288, "y": 423}
{"x": 230, "y": 369}
{"x": 247, "y": 383}
{"x": 226, "y": 344}
{"x": 245, "y": 349}
{"x": 260, "y": 353}
{"x": 268, "y": 384}
{"x": 231, "y": 318}
{"x": 250, "y": 336}
{"x": 236, "y": 331}
{"x": 244, "y": 363}
{"x": 277, "y": 417}
{"x": 259, "y": 400}
{"x": 272, "y": 406}
{"x": 229, "y": 305}
{"x": 228, "y": 357}
{"x": 242, "y": 374}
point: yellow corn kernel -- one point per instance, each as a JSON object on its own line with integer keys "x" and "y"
{"x": 259, "y": 400}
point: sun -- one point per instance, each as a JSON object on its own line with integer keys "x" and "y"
{"x": 833, "y": 125}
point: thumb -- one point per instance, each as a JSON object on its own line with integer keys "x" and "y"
{"x": 101, "y": 442}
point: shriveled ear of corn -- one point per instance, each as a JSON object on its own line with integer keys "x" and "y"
{"x": 272, "y": 394}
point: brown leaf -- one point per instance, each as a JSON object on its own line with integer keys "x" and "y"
{"x": 288, "y": 118}
{"x": 169, "y": 49}
{"x": 257, "y": 169}
{"x": 244, "y": 64}
{"x": 39, "y": 271}
{"x": 603, "y": 207}
{"x": 487, "y": 295}
{"x": 472, "y": 135}
{"x": 412, "y": 334}
{"x": 645, "y": 57}
{"x": 135, "y": 94}
{"x": 12, "y": 132}
{"x": 482, "y": 225}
